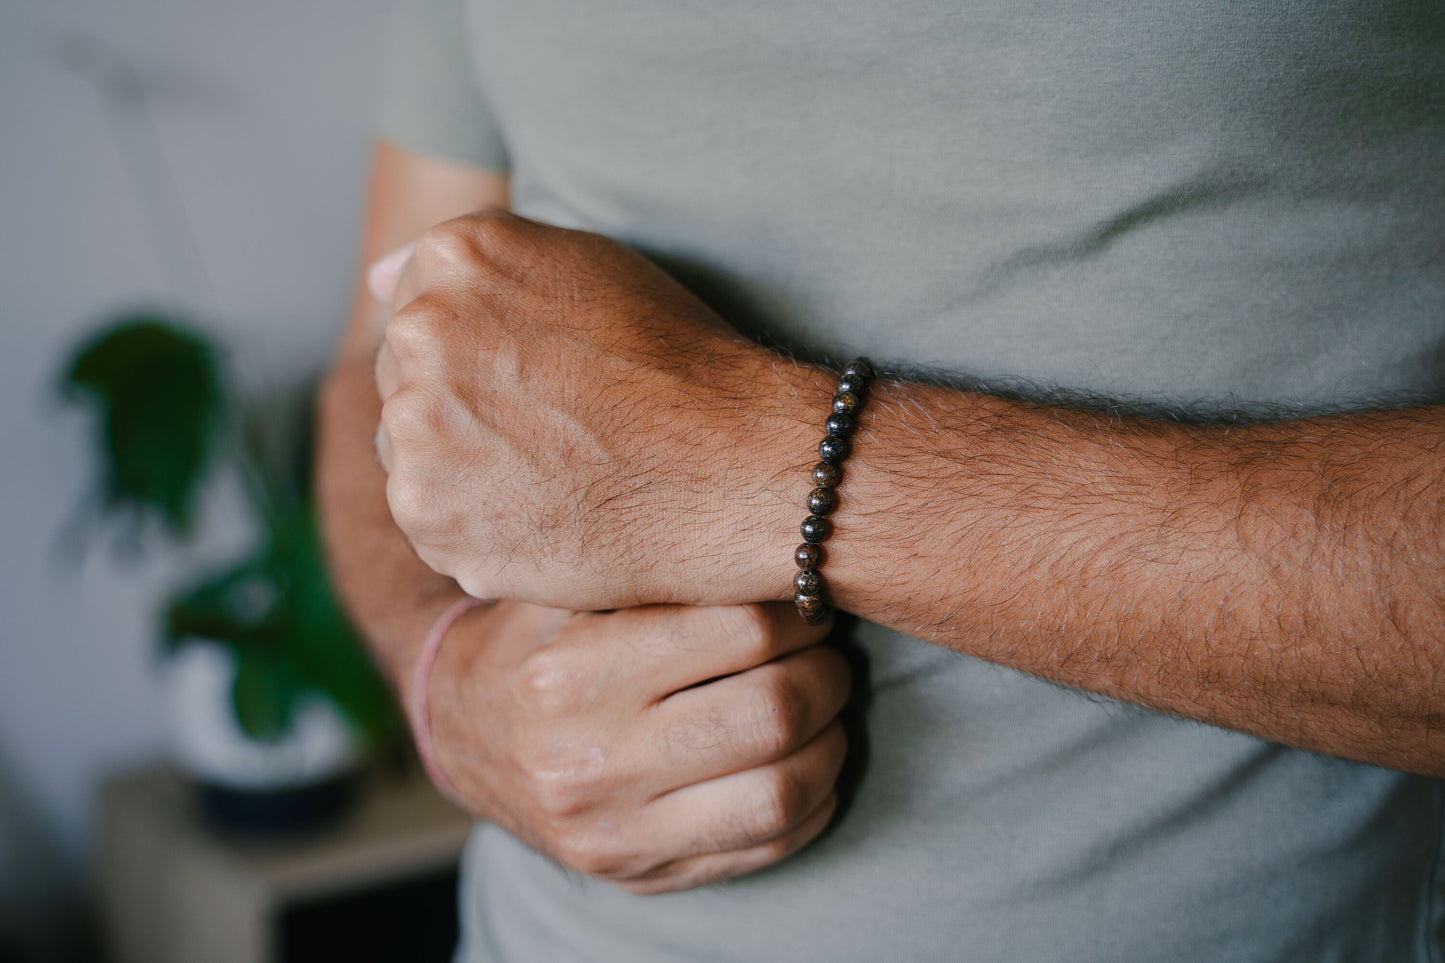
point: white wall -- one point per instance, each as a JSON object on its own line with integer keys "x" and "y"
{"x": 262, "y": 110}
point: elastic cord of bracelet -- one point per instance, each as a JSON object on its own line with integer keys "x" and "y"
{"x": 420, "y": 674}
{"x": 838, "y": 428}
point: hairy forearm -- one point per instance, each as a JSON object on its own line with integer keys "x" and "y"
{"x": 1280, "y": 579}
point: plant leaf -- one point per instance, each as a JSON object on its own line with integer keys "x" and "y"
{"x": 156, "y": 385}
{"x": 318, "y": 638}
{"x": 264, "y": 694}
{"x": 236, "y": 606}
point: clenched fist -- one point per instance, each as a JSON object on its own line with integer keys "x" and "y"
{"x": 658, "y": 748}
{"x": 566, "y": 425}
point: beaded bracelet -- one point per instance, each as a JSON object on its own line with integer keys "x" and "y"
{"x": 421, "y": 715}
{"x": 847, "y": 401}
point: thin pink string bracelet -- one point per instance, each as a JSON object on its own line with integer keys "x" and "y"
{"x": 421, "y": 724}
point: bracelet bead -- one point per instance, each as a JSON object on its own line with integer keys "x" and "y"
{"x": 821, "y": 501}
{"x": 838, "y": 427}
{"x": 814, "y": 529}
{"x": 818, "y": 617}
{"x": 826, "y": 475}
{"x": 833, "y": 449}
{"x": 808, "y": 603}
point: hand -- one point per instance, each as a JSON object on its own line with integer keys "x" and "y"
{"x": 658, "y": 748}
{"x": 564, "y": 424}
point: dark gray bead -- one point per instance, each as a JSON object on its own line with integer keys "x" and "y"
{"x": 808, "y": 582}
{"x": 814, "y": 529}
{"x": 833, "y": 450}
{"x": 859, "y": 367}
{"x": 808, "y": 556}
{"x": 851, "y": 384}
{"x": 826, "y": 475}
{"x": 845, "y": 402}
{"x": 838, "y": 425}
{"x": 821, "y": 501}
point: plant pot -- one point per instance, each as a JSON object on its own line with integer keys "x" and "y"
{"x": 299, "y": 781}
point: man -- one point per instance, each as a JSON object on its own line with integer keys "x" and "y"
{"x": 1229, "y": 217}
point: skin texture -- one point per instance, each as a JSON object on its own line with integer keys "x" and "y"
{"x": 563, "y": 424}
{"x": 658, "y": 747}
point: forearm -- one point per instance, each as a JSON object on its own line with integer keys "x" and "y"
{"x": 391, "y": 595}
{"x": 1279, "y": 579}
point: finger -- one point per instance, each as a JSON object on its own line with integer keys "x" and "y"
{"x": 752, "y": 807}
{"x": 744, "y": 720}
{"x": 382, "y": 443}
{"x": 385, "y": 273}
{"x": 388, "y": 372}
{"x": 697, "y": 871}
{"x": 743, "y": 637}
{"x": 649, "y": 653}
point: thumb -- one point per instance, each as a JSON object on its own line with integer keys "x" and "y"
{"x": 384, "y": 274}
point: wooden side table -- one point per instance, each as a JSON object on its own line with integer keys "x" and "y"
{"x": 173, "y": 890}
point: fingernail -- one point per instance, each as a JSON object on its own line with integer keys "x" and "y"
{"x": 383, "y": 275}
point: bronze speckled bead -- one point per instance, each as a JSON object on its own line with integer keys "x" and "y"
{"x": 808, "y": 603}
{"x": 852, "y": 384}
{"x": 821, "y": 501}
{"x": 808, "y": 556}
{"x": 860, "y": 368}
{"x": 818, "y": 617}
{"x": 833, "y": 450}
{"x": 826, "y": 475}
{"x": 845, "y": 402}
{"x": 808, "y": 582}
{"x": 814, "y": 529}
{"x": 838, "y": 425}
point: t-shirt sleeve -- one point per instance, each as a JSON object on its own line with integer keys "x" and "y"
{"x": 430, "y": 99}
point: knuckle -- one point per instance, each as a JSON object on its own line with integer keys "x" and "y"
{"x": 410, "y": 503}
{"x": 412, "y": 331}
{"x": 778, "y": 715}
{"x": 834, "y": 677}
{"x": 476, "y": 583}
{"x": 451, "y": 244}
{"x": 589, "y": 854}
{"x": 551, "y": 682}
{"x": 752, "y": 629}
{"x": 561, "y": 791}
{"x": 837, "y": 747}
{"x": 437, "y": 555}
{"x": 409, "y": 417}
{"x": 776, "y": 850}
{"x": 782, "y": 799}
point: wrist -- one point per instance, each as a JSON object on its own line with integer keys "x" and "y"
{"x": 760, "y": 477}
{"x": 418, "y": 708}
{"x": 910, "y": 505}
{"x": 399, "y": 636}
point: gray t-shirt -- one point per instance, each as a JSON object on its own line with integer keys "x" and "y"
{"x": 1220, "y": 206}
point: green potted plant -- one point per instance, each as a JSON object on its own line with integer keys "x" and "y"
{"x": 274, "y": 698}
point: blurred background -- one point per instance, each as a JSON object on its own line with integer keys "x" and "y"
{"x": 186, "y": 158}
